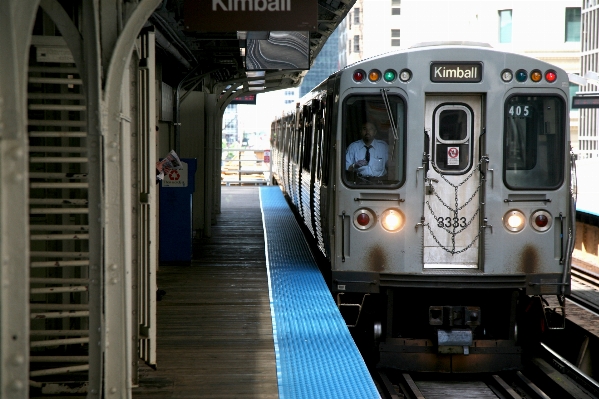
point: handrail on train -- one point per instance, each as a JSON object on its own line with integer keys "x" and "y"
{"x": 249, "y": 166}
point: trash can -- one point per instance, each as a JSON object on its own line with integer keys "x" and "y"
{"x": 175, "y": 218}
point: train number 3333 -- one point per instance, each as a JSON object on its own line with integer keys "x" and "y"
{"x": 451, "y": 222}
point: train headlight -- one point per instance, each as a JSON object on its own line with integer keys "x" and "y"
{"x": 392, "y": 220}
{"x": 541, "y": 220}
{"x": 514, "y": 221}
{"x": 364, "y": 219}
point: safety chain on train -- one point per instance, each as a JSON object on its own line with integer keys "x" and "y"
{"x": 455, "y": 224}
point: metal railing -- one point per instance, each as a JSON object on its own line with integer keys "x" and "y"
{"x": 245, "y": 166}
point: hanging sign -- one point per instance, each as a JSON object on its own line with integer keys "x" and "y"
{"x": 250, "y": 15}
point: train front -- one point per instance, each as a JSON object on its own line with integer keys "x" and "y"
{"x": 453, "y": 210}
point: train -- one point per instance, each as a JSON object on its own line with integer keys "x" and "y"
{"x": 436, "y": 183}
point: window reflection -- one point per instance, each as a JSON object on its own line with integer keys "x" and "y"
{"x": 534, "y": 136}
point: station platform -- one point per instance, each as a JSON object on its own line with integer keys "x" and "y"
{"x": 223, "y": 334}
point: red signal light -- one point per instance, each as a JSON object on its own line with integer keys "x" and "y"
{"x": 541, "y": 220}
{"x": 359, "y": 75}
{"x": 363, "y": 219}
{"x": 550, "y": 76}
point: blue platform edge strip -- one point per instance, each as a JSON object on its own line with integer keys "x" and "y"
{"x": 315, "y": 354}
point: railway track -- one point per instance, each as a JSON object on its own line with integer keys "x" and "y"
{"x": 550, "y": 375}
{"x": 583, "y": 298}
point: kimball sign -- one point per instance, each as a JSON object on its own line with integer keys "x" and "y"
{"x": 250, "y": 15}
{"x": 463, "y": 72}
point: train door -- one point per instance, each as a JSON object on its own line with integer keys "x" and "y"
{"x": 452, "y": 182}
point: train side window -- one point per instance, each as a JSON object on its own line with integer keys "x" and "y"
{"x": 534, "y": 142}
{"x": 374, "y": 152}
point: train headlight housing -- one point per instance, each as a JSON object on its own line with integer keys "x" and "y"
{"x": 392, "y": 220}
{"x": 541, "y": 220}
{"x": 364, "y": 219}
{"x": 514, "y": 221}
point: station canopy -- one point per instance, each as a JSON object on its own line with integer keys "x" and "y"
{"x": 243, "y": 47}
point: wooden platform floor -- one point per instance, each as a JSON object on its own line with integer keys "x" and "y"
{"x": 214, "y": 323}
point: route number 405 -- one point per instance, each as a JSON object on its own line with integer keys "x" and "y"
{"x": 519, "y": 110}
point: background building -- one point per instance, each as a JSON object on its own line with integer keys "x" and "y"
{"x": 589, "y": 118}
{"x": 326, "y": 63}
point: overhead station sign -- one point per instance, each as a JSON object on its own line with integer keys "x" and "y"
{"x": 250, "y": 15}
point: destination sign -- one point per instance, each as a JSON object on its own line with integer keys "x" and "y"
{"x": 456, "y": 72}
{"x": 250, "y": 15}
{"x": 585, "y": 101}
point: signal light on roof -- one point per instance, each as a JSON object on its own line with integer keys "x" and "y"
{"x": 536, "y": 76}
{"x": 405, "y": 75}
{"x": 389, "y": 75}
{"x": 521, "y": 75}
{"x": 374, "y": 75}
{"x": 550, "y": 76}
{"x": 507, "y": 75}
{"x": 359, "y": 75}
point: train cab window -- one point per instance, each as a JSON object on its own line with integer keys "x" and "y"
{"x": 452, "y": 138}
{"x": 374, "y": 151}
{"x": 534, "y": 142}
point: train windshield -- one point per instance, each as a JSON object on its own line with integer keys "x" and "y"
{"x": 373, "y": 136}
{"x": 534, "y": 135}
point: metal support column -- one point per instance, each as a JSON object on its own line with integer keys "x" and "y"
{"x": 18, "y": 17}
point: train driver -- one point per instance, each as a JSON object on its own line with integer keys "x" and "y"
{"x": 367, "y": 156}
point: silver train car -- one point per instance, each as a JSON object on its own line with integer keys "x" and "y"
{"x": 436, "y": 183}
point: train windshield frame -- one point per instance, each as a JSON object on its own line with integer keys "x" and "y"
{"x": 373, "y": 112}
{"x": 534, "y": 136}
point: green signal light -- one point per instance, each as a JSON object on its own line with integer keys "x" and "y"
{"x": 389, "y": 76}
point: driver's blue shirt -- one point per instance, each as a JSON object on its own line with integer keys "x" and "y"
{"x": 379, "y": 153}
